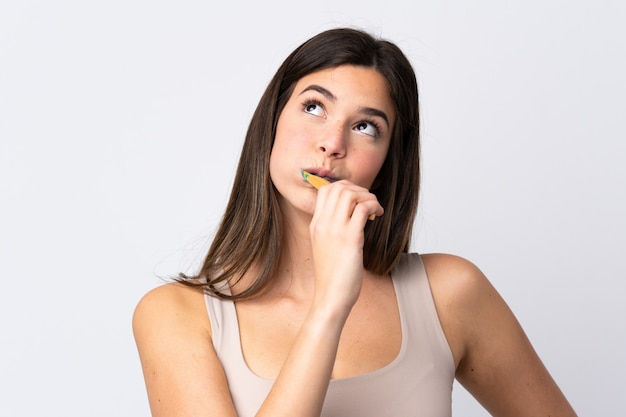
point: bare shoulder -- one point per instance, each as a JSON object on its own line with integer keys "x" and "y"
{"x": 495, "y": 360}
{"x": 181, "y": 369}
{"x": 457, "y": 286}
{"x": 453, "y": 273}
{"x": 171, "y": 304}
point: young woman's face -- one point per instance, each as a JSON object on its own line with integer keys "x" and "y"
{"x": 337, "y": 124}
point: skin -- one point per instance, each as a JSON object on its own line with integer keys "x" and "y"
{"x": 322, "y": 302}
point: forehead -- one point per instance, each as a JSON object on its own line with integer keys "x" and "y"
{"x": 361, "y": 86}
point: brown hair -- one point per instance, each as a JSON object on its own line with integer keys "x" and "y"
{"x": 251, "y": 228}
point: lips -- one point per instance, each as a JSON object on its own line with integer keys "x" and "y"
{"x": 323, "y": 173}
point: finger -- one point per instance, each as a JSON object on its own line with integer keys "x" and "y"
{"x": 338, "y": 201}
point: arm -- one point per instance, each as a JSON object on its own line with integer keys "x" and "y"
{"x": 342, "y": 209}
{"x": 184, "y": 376}
{"x": 182, "y": 372}
{"x": 495, "y": 360}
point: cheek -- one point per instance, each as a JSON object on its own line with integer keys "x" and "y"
{"x": 280, "y": 140}
{"x": 368, "y": 165}
{"x": 280, "y": 151}
{"x": 283, "y": 153}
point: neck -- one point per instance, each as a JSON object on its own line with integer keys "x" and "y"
{"x": 295, "y": 277}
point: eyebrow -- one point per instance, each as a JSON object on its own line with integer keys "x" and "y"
{"x": 374, "y": 112}
{"x": 330, "y": 96}
{"x": 320, "y": 90}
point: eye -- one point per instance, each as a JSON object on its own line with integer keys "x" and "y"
{"x": 370, "y": 128}
{"x": 313, "y": 107}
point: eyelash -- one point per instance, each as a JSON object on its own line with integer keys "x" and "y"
{"x": 310, "y": 102}
{"x": 376, "y": 125}
{"x": 313, "y": 102}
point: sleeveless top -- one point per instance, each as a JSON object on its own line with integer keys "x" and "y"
{"x": 417, "y": 383}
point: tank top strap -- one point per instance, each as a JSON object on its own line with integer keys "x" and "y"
{"x": 247, "y": 389}
{"x": 415, "y": 300}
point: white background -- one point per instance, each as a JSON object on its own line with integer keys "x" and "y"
{"x": 120, "y": 128}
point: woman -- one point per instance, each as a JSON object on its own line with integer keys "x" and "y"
{"x": 304, "y": 306}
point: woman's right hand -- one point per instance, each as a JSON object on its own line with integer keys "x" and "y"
{"x": 337, "y": 239}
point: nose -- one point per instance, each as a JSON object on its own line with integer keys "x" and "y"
{"x": 333, "y": 141}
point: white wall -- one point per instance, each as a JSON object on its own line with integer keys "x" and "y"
{"x": 120, "y": 128}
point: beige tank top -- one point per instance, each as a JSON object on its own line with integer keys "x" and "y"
{"x": 417, "y": 383}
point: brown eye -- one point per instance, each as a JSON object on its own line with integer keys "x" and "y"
{"x": 313, "y": 107}
{"x": 368, "y": 128}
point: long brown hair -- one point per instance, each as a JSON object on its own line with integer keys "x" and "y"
{"x": 251, "y": 229}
